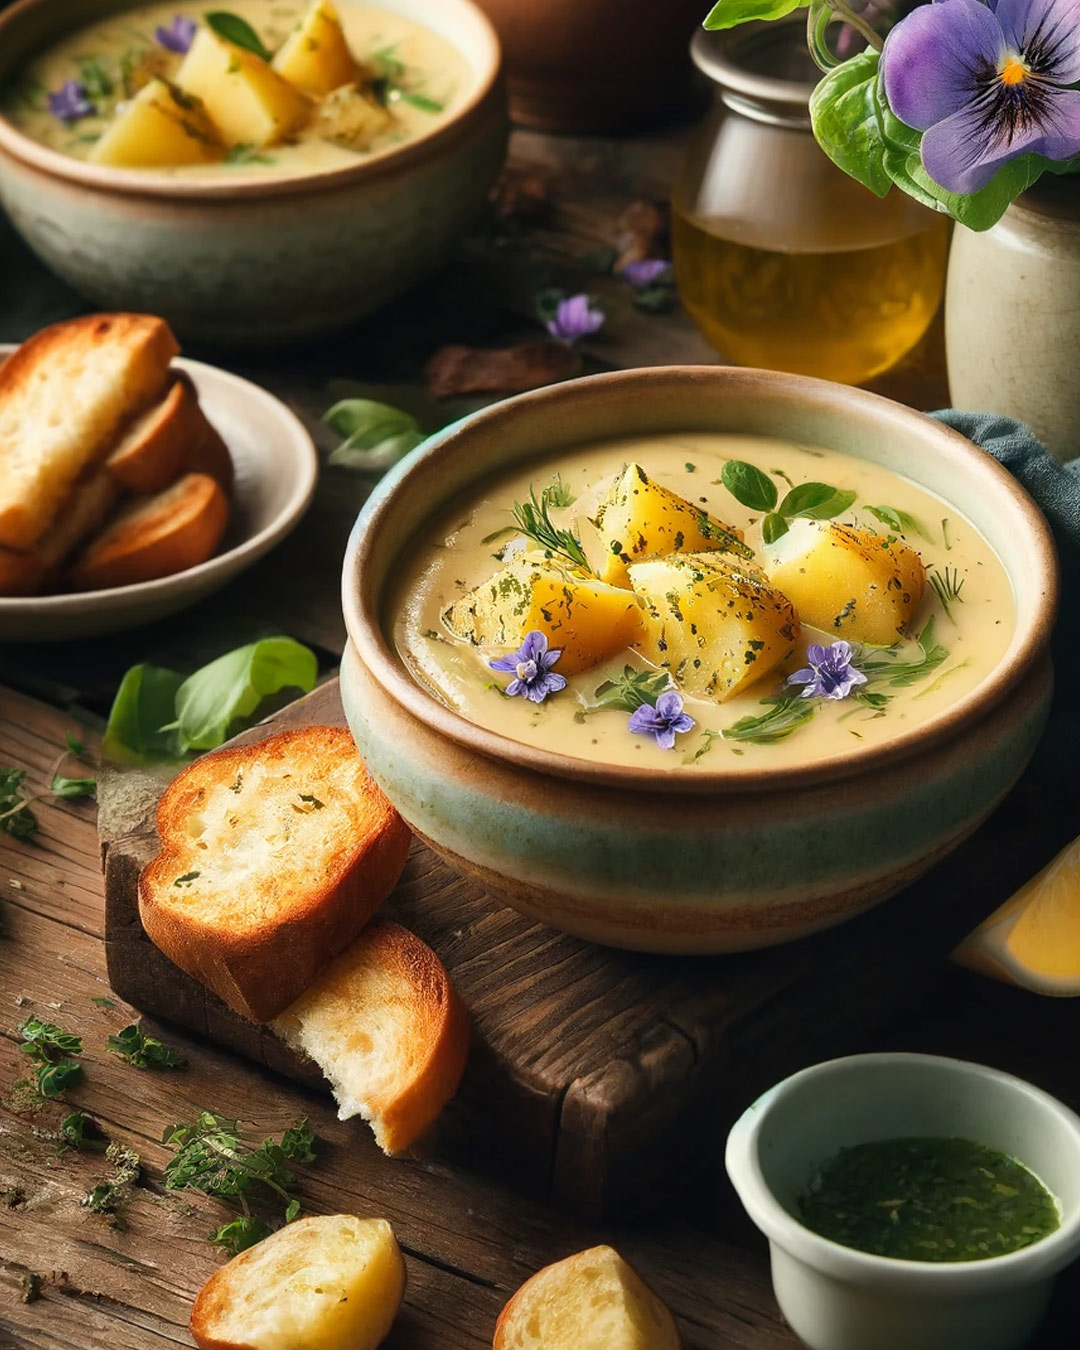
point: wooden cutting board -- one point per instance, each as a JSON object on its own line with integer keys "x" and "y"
{"x": 601, "y": 1078}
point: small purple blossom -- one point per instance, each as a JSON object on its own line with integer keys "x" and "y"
{"x": 179, "y": 35}
{"x": 664, "y": 721}
{"x": 986, "y": 83}
{"x": 531, "y": 667}
{"x": 70, "y": 102}
{"x": 574, "y": 318}
{"x": 645, "y": 272}
{"x": 830, "y": 673}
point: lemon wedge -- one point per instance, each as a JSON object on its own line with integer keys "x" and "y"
{"x": 1033, "y": 940}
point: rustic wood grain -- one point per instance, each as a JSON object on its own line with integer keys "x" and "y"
{"x": 587, "y": 1060}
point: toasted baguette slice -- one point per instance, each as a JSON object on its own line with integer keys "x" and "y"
{"x": 591, "y": 1301}
{"x": 388, "y": 1030}
{"x": 155, "y": 536}
{"x": 274, "y": 856}
{"x": 334, "y": 1282}
{"x": 63, "y": 396}
{"x": 160, "y": 442}
{"x": 85, "y": 512}
{"x": 208, "y": 453}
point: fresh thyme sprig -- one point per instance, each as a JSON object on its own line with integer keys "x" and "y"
{"x": 557, "y": 493}
{"x": 947, "y": 587}
{"x": 16, "y": 817}
{"x": 533, "y": 518}
{"x": 212, "y": 1157}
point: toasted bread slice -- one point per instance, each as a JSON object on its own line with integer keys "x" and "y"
{"x": 591, "y": 1301}
{"x": 63, "y": 397}
{"x": 333, "y": 1282}
{"x": 155, "y": 536}
{"x": 160, "y": 442}
{"x": 274, "y": 857}
{"x": 210, "y": 455}
{"x": 32, "y": 572}
{"x": 388, "y": 1030}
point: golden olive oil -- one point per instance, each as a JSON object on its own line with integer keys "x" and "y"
{"x": 843, "y": 314}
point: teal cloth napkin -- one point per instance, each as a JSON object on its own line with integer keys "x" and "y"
{"x": 1056, "y": 488}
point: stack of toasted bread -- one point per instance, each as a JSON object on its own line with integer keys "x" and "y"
{"x": 110, "y": 472}
{"x": 274, "y": 859}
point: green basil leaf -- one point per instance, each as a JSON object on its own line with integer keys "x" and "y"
{"x": 144, "y": 704}
{"x": 238, "y": 31}
{"x": 900, "y": 521}
{"x": 816, "y": 501}
{"x": 772, "y": 527}
{"x": 384, "y": 454}
{"x": 231, "y": 688}
{"x": 749, "y": 485}
{"x": 376, "y": 435}
{"x": 843, "y": 111}
{"x": 728, "y": 13}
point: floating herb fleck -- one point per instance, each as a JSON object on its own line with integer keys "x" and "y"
{"x": 785, "y": 714}
{"x": 558, "y": 494}
{"x": 632, "y": 689}
{"x": 947, "y": 587}
{"x": 900, "y": 521}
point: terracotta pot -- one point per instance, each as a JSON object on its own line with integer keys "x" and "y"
{"x": 1012, "y": 315}
{"x": 709, "y": 861}
{"x": 596, "y": 65}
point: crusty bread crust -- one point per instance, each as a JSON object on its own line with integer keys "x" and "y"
{"x": 63, "y": 396}
{"x": 158, "y": 443}
{"x": 156, "y": 536}
{"x": 86, "y": 510}
{"x": 387, "y": 975}
{"x": 521, "y": 1322}
{"x": 301, "y": 905}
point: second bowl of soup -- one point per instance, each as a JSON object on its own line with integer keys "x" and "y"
{"x": 697, "y": 659}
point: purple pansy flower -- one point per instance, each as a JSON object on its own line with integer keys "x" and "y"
{"x": 574, "y": 318}
{"x": 985, "y": 84}
{"x": 179, "y": 35}
{"x": 664, "y": 721}
{"x": 645, "y": 271}
{"x": 830, "y": 673}
{"x": 531, "y": 668}
{"x": 70, "y": 102}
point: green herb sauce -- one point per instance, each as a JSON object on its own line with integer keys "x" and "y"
{"x": 928, "y": 1200}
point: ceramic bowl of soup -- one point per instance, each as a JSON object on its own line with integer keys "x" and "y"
{"x": 799, "y": 654}
{"x": 275, "y": 186}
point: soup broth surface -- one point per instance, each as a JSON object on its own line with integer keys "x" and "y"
{"x": 431, "y": 71}
{"x": 461, "y": 549}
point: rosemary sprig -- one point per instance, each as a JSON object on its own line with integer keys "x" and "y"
{"x": 533, "y": 518}
{"x": 557, "y": 493}
{"x": 947, "y": 587}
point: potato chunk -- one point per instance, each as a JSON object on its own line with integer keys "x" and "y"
{"x": 713, "y": 622}
{"x": 315, "y": 57}
{"x": 161, "y": 127}
{"x": 334, "y": 1282}
{"x": 247, "y": 101}
{"x": 589, "y": 620}
{"x": 641, "y": 519}
{"x": 593, "y": 1300}
{"x": 351, "y": 118}
{"x": 850, "y": 582}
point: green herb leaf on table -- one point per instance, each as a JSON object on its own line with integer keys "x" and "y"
{"x": 238, "y": 31}
{"x": 632, "y": 689}
{"x": 142, "y": 1051}
{"x": 50, "y": 1049}
{"x": 144, "y": 704}
{"x": 16, "y": 817}
{"x": 900, "y": 521}
{"x": 376, "y": 435}
{"x": 238, "y": 1235}
{"x": 729, "y": 13}
{"x": 72, "y": 787}
{"x": 749, "y": 485}
{"x": 533, "y": 519}
{"x": 109, "y": 1195}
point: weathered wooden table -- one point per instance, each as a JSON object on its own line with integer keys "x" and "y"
{"x": 71, "y": 1279}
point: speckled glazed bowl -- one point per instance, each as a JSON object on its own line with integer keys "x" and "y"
{"x": 254, "y": 259}
{"x": 701, "y": 862}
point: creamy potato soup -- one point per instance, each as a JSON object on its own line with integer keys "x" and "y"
{"x": 269, "y": 87}
{"x": 701, "y": 602}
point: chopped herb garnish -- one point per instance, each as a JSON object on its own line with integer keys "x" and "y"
{"x": 947, "y": 587}
{"x": 186, "y": 878}
{"x": 141, "y": 1051}
{"x": 785, "y": 714}
{"x": 900, "y": 521}
{"x": 557, "y": 494}
{"x": 632, "y": 689}
{"x": 690, "y": 468}
{"x": 533, "y": 519}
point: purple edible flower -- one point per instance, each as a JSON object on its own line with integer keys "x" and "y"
{"x": 70, "y": 102}
{"x": 830, "y": 673}
{"x": 663, "y": 721}
{"x": 645, "y": 271}
{"x": 531, "y": 668}
{"x": 574, "y": 318}
{"x": 179, "y": 35}
{"x": 985, "y": 84}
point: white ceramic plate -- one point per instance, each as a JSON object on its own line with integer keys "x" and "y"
{"x": 276, "y": 468}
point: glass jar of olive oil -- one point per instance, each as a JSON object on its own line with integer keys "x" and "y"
{"x": 781, "y": 259}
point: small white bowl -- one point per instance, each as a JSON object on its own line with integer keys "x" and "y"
{"x": 837, "y": 1298}
{"x": 276, "y": 469}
